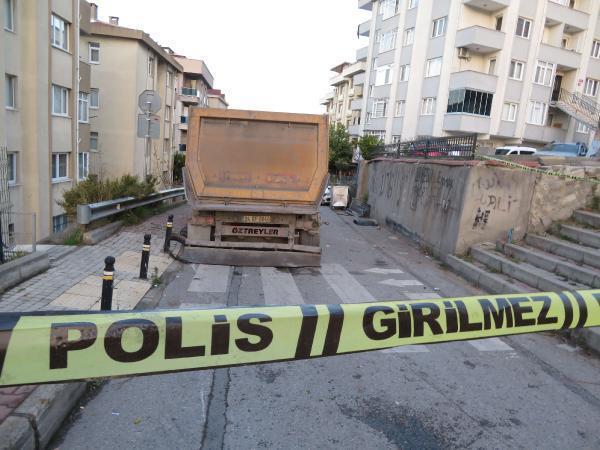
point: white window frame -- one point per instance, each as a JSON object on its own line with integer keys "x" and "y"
{"x": 10, "y": 91}
{"x": 378, "y": 133}
{"x": 439, "y": 27}
{"x": 428, "y": 106}
{"x": 509, "y": 111}
{"x": 151, "y": 63}
{"x": 596, "y": 49}
{"x": 94, "y": 92}
{"x": 94, "y": 47}
{"x": 59, "y": 32}
{"x": 83, "y": 161}
{"x": 544, "y": 73}
{"x": 409, "y": 36}
{"x": 12, "y": 168}
{"x": 526, "y": 28}
{"x": 396, "y": 139}
{"x": 387, "y": 40}
{"x": 83, "y": 107}
{"x": 400, "y": 108}
{"x": 404, "y": 73}
{"x": 412, "y": 4}
{"x": 582, "y": 128}
{"x": 56, "y": 176}
{"x": 64, "y": 222}
{"x": 380, "y": 106}
{"x": 169, "y": 79}
{"x": 168, "y": 113}
{"x": 94, "y": 137}
{"x": 591, "y": 87}
{"x": 534, "y": 109}
{"x": 388, "y": 8}
{"x": 514, "y": 64}
{"x": 432, "y": 64}
{"x": 492, "y": 66}
{"x": 9, "y": 17}
{"x": 64, "y": 101}
{"x": 383, "y": 75}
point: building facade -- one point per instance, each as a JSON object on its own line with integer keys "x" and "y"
{"x": 216, "y": 99}
{"x": 344, "y": 103}
{"x": 44, "y": 118}
{"x": 512, "y": 71}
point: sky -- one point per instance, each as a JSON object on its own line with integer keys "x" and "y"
{"x": 270, "y": 55}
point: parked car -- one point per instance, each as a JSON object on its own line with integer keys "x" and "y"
{"x": 563, "y": 149}
{"x": 511, "y": 150}
{"x": 326, "y": 199}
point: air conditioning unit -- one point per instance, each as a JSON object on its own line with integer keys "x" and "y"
{"x": 463, "y": 53}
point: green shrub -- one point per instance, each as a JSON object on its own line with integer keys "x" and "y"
{"x": 94, "y": 190}
{"x": 368, "y": 145}
{"x": 75, "y": 238}
{"x": 178, "y": 164}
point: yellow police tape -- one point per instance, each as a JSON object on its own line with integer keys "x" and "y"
{"x": 51, "y": 347}
{"x": 540, "y": 171}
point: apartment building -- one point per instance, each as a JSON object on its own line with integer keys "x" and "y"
{"x": 125, "y": 63}
{"x": 44, "y": 118}
{"x": 512, "y": 71}
{"x": 344, "y": 103}
{"x": 216, "y": 99}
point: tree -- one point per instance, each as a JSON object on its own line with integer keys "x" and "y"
{"x": 340, "y": 148}
{"x": 368, "y": 145}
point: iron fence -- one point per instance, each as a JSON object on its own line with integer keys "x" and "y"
{"x": 453, "y": 147}
{"x": 6, "y": 240}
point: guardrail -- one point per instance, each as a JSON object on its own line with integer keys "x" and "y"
{"x": 87, "y": 214}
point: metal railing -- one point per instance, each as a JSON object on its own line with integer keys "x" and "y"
{"x": 87, "y": 214}
{"x": 582, "y": 104}
{"x": 455, "y": 147}
{"x": 189, "y": 91}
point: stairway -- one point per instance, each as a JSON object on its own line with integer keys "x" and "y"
{"x": 566, "y": 258}
{"x": 579, "y": 107}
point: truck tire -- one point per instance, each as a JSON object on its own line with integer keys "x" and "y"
{"x": 314, "y": 240}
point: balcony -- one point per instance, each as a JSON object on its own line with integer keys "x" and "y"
{"x": 354, "y": 130}
{"x": 467, "y": 123}
{"x": 544, "y": 134}
{"x": 356, "y": 105}
{"x": 489, "y": 6}
{"x": 473, "y": 80}
{"x": 338, "y": 79}
{"x": 480, "y": 39}
{"x": 364, "y": 28}
{"x": 565, "y": 59}
{"x": 189, "y": 96}
{"x": 359, "y": 79}
{"x": 353, "y": 69}
{"x": 367, "y": 5}
{"x": 362, "y": 53}
{"x": 573, "y": 19}
{"x": 328, "y": 97}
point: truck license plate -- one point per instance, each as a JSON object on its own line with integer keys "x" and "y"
{"x": 256, "y": 219}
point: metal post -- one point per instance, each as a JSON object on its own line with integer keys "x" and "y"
{"x": 2, "y": 260}
{"x": 145, "y": 257}
{"x": 107, "y": 284}
{"x": 33, "y": 234}
{"x": 168, "y": 232}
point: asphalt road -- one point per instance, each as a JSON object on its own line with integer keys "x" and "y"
{"x": 530, "y": 391}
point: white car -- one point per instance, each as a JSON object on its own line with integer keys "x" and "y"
{"x": 326, "y": 199}
{"x": 511, "y": 150}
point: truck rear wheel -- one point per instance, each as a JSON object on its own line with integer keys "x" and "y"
{"x": 313, "y": 240}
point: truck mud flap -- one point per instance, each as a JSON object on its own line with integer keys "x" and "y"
{"x": 254, "y": 258}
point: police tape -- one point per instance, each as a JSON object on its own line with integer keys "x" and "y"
{"x": 540, "y": 171}
{"x": 42, "y": 347}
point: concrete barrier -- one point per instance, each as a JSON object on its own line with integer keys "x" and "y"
{"x": 21, "y": 269}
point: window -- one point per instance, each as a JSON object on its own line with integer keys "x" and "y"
{"x": 94, "y": 52}
{"x": 409, "y": 36}
{"x": 591, "y": 87}
{"x": 428, "y": 106}
{"x": 523, "y": 28}
{"x": 377, "y": 133}
{"x": 499, "y": 23}
{"x": 536, "y": 113}
{"x": 492, "y": 67}
{"x": 404, "y": 72}
{"x": 9, "y": 15}
{"x": 439, "y": 27}
{"x": 413, "y": 4}
{"x": 388, "y": 8}
{"x": 509, "y": 111}
{"x": 543, "y": 73}
{"x": 379, "y": 108}
{"x": 60, "y": 100}
{"x": 59, "y": 32}
{"x": 516, "y": 70}
{"x": 596, "y": 49}
{"x": 12, "y": 168}
{"x": 94, "y": 98}
{"x": 94, "y": 140}
{"x": 396, "y": 139}
{"x": 582, "y": 128}
{"x": 400, "y": 105}
{"x": 151, "y": 65}
{"x": 10, "y": 94}
{"x": 387, "y": 40}
{"x": 434, "y": 67}
{"x": 84, "y": 165}
{"x": 84, "y": 107}
{"x": 59, "y": 223}
{"x": 169, "y": 79}
{"x": 60, "y": 163}
{"x": 469, "y": 101}
{"x": 383, "y": 75}
{"x": 167, "y": 113}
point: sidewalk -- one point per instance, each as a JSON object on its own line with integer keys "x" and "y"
{"x": 74, "y": 282}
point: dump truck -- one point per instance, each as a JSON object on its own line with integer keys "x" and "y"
{"x": 254, "y": 181}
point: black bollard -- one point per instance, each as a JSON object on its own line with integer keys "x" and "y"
{"x": 145, "y": 257}
{"x": 168, "y": 232}
{"x": 107, "y": 284}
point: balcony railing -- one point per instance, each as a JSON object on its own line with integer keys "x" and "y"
{"x": 189, "y": 91}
